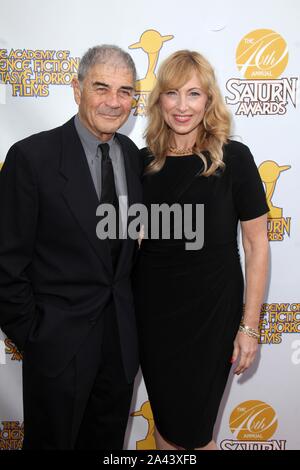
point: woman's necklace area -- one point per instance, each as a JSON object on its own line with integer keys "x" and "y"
{"x": 181, "y": 150}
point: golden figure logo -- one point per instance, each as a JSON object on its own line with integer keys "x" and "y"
{"x": 148, "y": 443}
{"x": 150, "y": 42}
{"x": 277, "y": 225}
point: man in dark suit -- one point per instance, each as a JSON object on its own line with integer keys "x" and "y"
{"x": 65, "y": 294}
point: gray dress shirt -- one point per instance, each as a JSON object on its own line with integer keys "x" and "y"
{"x": 90, "y": 145}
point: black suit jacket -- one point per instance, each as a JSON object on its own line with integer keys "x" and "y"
{"x": 56, "y": 276}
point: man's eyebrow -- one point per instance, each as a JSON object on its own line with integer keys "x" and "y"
{"x": 126, "y": 87}
{"x": 101, "y": 84}
{"x": 106, "y": 85}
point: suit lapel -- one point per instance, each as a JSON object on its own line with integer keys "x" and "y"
{"x": 131, "y": 176}
{"x": 134, "y": 196}
{"x": 79, "y": 192}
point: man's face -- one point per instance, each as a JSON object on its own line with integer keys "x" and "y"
{"x": 104, "y": 99}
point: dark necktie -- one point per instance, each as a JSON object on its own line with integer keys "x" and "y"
{"x": 109, "y": 195}
{"x": 108, "y": 189}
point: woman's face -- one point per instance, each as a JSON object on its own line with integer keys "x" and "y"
{"x": 183, "y": 108}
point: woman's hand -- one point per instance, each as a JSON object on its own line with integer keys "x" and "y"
{"x": 245, "y": 348}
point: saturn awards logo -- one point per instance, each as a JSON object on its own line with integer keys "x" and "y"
{"x": 7, "y": 348}
{"x": 261, "y": 57}
{"x": 278, "y": 225}
{"x": 11, "y": 435}
{"x": 30, "y": 72}
{"x": 150, "y": 42}
{"x": 278, "y": 319}
{"x": 12, "y": 350}
{"x": 253, "y": 423}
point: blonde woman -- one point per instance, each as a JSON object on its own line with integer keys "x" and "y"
{"x": 189, "y": 303}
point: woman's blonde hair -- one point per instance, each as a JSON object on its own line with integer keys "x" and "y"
{"x": 214, "y": 129}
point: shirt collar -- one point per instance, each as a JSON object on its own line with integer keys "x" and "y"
{"x": 89, "y": 140}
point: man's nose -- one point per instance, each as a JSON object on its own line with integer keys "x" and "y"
{"x": 112, "y": 100}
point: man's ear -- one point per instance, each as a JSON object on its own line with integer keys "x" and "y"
{"x": 76, "y": 90}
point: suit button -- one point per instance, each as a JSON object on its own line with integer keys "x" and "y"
{"x": 93, "y": 321}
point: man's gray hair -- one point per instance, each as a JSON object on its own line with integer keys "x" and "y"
{"x": 105, "y": 54}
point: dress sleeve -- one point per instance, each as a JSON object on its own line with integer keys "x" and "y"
{"x": 248, "y": 191}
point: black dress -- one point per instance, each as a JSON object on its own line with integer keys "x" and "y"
{"x": 189, "y": 303}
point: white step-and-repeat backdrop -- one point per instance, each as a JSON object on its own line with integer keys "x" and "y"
{"x": 255, "y": 49}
